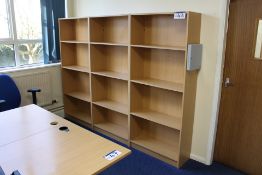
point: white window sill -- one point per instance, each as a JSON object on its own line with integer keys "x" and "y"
{"x": 16, "y": 69}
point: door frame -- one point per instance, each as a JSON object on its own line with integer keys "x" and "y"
{"x": 218, "y": 82}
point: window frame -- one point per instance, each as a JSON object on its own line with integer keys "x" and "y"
{"x": 13, "y": 40}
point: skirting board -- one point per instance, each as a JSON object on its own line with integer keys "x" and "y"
{"x": 199, "y": 159}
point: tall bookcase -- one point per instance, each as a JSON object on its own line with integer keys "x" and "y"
{"x": 126, "y": 76}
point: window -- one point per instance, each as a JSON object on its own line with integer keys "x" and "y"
{"x": 20, "y": 33}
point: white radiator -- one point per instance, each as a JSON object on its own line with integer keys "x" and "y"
{"x": 41, "y": 80}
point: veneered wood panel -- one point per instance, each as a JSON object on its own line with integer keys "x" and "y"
{"x": 239, "y": 137}
{"x": 158, "y": 30}
{"x": 75, "y": 55}
{"x": 159, "y": 64}
{"x": 78, "y": 109}
{"x": 109, "y": 89}
{"x": 74, "y": 81}
{"x": 111, "y": 121}
{"x": 190, "y": 83}
{"x": 109, "y": 29}
{"x": 109, "y": 58}
{"x": 146, "y": 98}
{"x": 155, "y": 137}
{"x": 74, "y": 29}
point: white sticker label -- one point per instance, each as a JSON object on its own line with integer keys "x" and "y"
{"x": 180, "y": 15}
{"x": 112, "y": 155}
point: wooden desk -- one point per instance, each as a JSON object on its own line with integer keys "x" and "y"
{"x": 30, "y": 144}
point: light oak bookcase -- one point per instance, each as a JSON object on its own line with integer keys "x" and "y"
{"x": 125, "y": 76}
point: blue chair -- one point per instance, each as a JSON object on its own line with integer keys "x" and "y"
{"x": 10, "y": 96}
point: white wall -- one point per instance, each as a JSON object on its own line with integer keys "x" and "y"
{"x": 212, "y": 37}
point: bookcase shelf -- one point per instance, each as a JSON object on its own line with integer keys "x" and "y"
{"x": 126, "y": 76}
{"x": 74, "y": 29}
{"x": 109, "y": 29}
{"x": 77, "y": 109}
{"x": 111, "y": 121}
{"x": 160, "y": 84}
{"x": 155, "y": 137}
{"x": 75, "y": 56}
{"x": 110, "y": 61}
{"x": 166, "y": 120}
{"x": 77, "y": 68}
{"x": 113, "y": 105}
{"x": 74, "y": 42}
{"x": 79, "y": 95}
{"x": 112, "y": 74}
{"x": 159, "y": 68}
{"x": 177, "y": 48}
{"x": 76, "y": 84}
{"x": 108, "y": 44}
{"x": 110, "y": 93}
{"x": 158, "y": 105}
{"x": 159, "y": 30}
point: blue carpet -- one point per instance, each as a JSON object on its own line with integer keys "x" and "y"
{"x": 138, "y": 163}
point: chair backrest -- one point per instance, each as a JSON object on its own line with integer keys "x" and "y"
{"x": 8, "y": 92}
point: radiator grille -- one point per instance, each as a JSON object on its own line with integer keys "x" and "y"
{"x": 40, "y": 80}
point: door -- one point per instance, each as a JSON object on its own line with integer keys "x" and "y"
{"x": 239, "y": 134}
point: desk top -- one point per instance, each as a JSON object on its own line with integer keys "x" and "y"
{"x": 30, "y": 144}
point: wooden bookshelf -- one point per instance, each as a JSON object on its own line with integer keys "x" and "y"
{"x": 109, "y": 29}
{"x": 158, "y": 105}
{"x": 110, "y": 61}
{"x": 76, "y": 84}
{"x": 77, "y": 68}
{"x": 112, "y": 74}
{"x": 130, "y": 72}
{"x": 157, "y": 117}
{"x": 159, "y": 30}
{"x": 77, "y": 109}
{"x": 79, "y": 95}
{"x": 75, "y": 56}
{"x": 111, "y": 121}
{"x": 155, "y": 137}
{"x": 158, "y": 67}
{"x": 110, "y": 93}
{"x": 74, "y": 30}
{"x": 176, "y": 48}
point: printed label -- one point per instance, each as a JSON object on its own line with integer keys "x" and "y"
{"x": 112, "y": 155}
{"x": 180, "y": 15}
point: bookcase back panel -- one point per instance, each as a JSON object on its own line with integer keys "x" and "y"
{"x": 75, "y": 82}
{"x": 166, "y": 65}
{"x": 82, "y": 55}
{"x": 146, "y": 98}
{"x": 74, "y": 30}
{"x": 77, "y": 108}
{"x": 75, "y": 54}
{"x": 105, "y": 115}
{"x": 158, "y": 138}
{"x": 109, "y": 58}
{"x": 109, "y": 89}
{"x": 158, "y": 30}
{"x": 154, "y": 130}
{"x": 109, "y": 29}
{"x": 68, "y": 54}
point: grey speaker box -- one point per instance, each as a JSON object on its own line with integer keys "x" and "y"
{"x": 194, "y": 56}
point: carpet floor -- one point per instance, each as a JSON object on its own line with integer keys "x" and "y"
{"x": 139, "y": 163}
